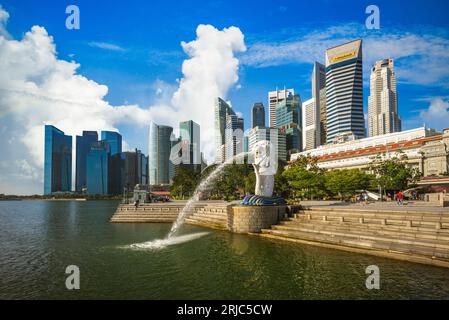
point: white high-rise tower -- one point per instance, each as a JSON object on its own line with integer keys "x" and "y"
{"x": 383, "y": 115}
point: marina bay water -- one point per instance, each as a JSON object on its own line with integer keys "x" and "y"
{"x": 39, "y": 239}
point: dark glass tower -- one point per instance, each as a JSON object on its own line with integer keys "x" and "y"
{"x": 258, "y": 115}
{"x": 114, "y": 140}
{"x": 57, "y": 161}
{"x": 97, "y": 168}
{"x": 83, "y": 145}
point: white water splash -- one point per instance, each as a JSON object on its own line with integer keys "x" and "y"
{"x": 196, "y": 195}
{"x": 160, "y": 244}
{"x": 171, "y": 239}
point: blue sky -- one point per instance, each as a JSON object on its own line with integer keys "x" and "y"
{"x": 134, "y": 48}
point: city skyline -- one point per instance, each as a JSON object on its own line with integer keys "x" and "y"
{"x": 422, "y": 94}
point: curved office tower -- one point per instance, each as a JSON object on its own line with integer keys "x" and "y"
{"x": 159, "y": 154}
{"x": 344, "y": 92}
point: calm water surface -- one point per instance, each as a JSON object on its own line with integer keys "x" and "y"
{"x": 39, "y": 239}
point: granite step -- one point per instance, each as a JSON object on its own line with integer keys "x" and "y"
{"x": 354, "y": 229}
{"x": 371, "y": 237}
{"x": 394, "y": 225}
{"x": 344, "y": 240}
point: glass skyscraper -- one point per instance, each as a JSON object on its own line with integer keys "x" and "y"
{"x": 258, "y": 115}
{"x": 288, "y": 119}
{"x": 83, "y": 144}
{"x": 57, "y": 161}
{"x": 222, "y": 110}
{"x": 114, "y": 140}
{"x": 159, "y": 154}
{"x": 97, "y": 168}
{"x": 344, "y": 92}
{"x": 190, "y": 136}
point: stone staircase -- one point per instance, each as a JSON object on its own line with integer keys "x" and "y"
{"x": 154, "y": 213}
{"x": 211, "y": 215}
{"x": 409, "y": 235}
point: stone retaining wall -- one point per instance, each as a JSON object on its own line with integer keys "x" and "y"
{"x": 252, "y": 219}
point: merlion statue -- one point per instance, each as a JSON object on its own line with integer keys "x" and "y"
{"x": 265, "y": 167}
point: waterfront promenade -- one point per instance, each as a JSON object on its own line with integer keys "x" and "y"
{"x": 415, "y": 232}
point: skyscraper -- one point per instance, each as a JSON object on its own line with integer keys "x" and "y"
{"x": 234, "y": 135}
{"x": 310, "y": 124}
{"x": 83, "y": 144}
{"x": 97, "y": 168}
{"x": 274, "y": 97}
{"x": 135, "y": 169}
{"x": 344, "y": 92}
{"x": 275, "y": 135}
{"x": 114, "y": 140}
{"x": 190, "y": 136}
{"x": 288, "y": 118}
{"x": 222, "y": 110}
{"x": 159, "y": 154}
{"x": 323, "y": 118}
{"x": 383, "y": 115}
{"x": 258, "y": 115}
{"x": 115, "y": 161}
{"x": 57, "y": 161}
{"x": 318, "y": 83}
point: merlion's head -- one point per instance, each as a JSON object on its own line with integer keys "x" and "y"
{"x": 265, "y": 158}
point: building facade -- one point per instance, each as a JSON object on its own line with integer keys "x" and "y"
{"x": 57, "y": 161}
{"x": 159, "y": 154}
{"x": 383, "y": 114}
{"x": 275, "y": 135}
{"x": 190, "y": 138}
{"x": 274, "y": 97}
{"x": 309, "y": 125}
{"x": 344, "y": 91}
{"x": 222, "y": 110}
{"x": 288, "y": 119}
{"x": 114, "y": 140}
{"x": 426, "y": 150}
{"x": 318, "y": 84}
{"x": 323, "y": 118}
{"x": 258, "y": 115}
{"x": 83, "y": 145}
{"x": 234, "y": 136}
{"x": 97, "y": 168}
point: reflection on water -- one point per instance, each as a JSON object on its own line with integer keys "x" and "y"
{"x": 39, "y": 239}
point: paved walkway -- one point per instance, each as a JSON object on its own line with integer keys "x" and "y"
{"x": 408, "y": 206}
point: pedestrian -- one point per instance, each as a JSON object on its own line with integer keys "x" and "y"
{"x": 400, "y": 198}
{"x": 365, "y": 197}
{"x": 136, "y": 204}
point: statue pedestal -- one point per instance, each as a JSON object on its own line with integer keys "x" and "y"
{"x": 248, "y": 219}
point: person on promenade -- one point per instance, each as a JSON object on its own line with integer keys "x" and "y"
{"x": 400, "y": 198}
{"x": 136, "y": 204}
{"x": 365, "y": 197}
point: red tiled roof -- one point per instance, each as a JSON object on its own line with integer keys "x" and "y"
{"x": 403, "y": 145}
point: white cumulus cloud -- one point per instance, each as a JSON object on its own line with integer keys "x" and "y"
{"x": 437, "y": 114}
{"x": 38, "y": 88}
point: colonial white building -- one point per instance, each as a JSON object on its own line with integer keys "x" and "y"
{"x": 425, "y": 148}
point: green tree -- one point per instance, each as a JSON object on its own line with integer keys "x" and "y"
{"x": 393, "y": 173}
{"x": 345, "y": 183}
{"x": 305, "y": 178}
